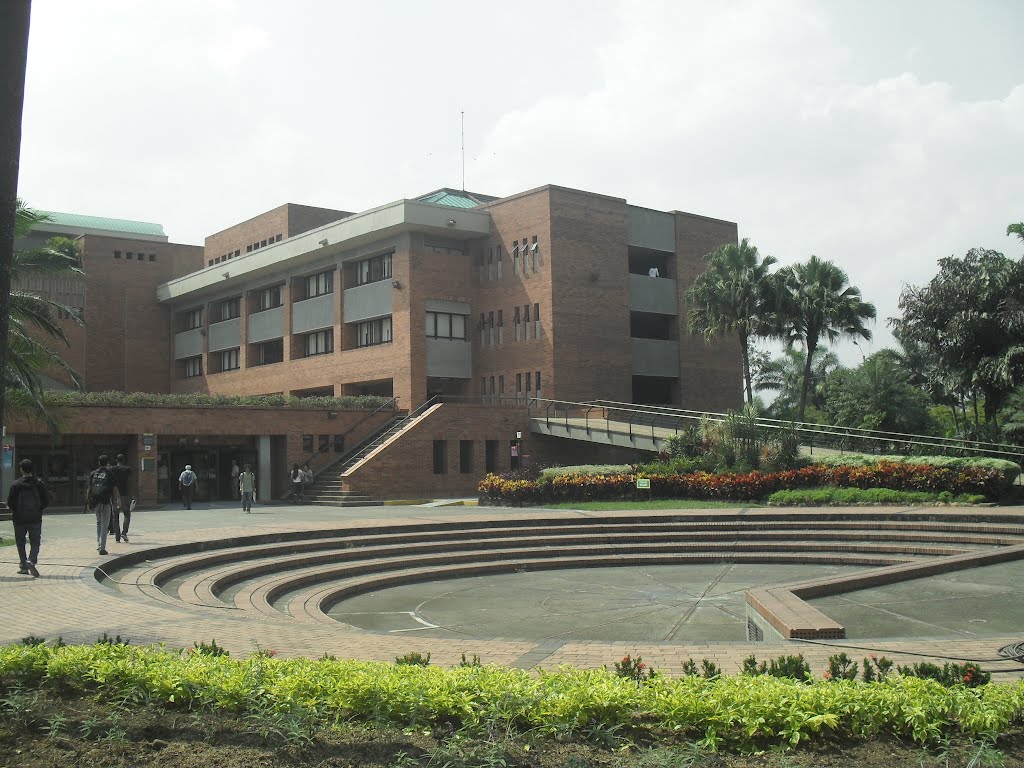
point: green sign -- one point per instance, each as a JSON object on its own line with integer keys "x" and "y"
{"x": 643, "y": 483}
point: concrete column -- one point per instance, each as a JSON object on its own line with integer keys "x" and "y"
{"x": 264, "y": 478}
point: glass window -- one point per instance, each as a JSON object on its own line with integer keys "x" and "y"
{"x": 465, "y": 456}
{"x": 269, "y": 352}
{"x": 193, "y": 366}
{"x": 440, "y": 457}
{"x": 270, "y": 298}
{"x": 319, "y": 284}
{"x": 373, "y": 270}
{"x": 373, "y": 332}
{"x": 228, "y": 309}
{"x": 193, "y": 319}
{"x": 319, "y": 343}
{"x": 307, "y": 443}
{"x": 230, "y": 359}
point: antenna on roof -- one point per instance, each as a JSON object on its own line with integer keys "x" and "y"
{"x": 462, "y": 115}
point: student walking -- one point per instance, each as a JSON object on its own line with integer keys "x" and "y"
{"x": 27, "y": 499}
{"x": 187, "y": 486}
{"x": 297, "y": 477}
{"x": 247, "y": 488}
{"x": 122, "y": 472}
{"x": 101, "y": 494}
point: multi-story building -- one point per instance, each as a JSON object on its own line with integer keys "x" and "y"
{"x": 552, "y": 294}
{"x": 548, "y": 293}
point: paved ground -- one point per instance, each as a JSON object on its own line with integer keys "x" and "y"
{"x": 67, "y": 601}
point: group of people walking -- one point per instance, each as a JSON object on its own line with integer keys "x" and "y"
{"x": 108, "y": 497}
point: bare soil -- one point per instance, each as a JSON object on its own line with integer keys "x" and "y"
{"x": 39, "y": 730}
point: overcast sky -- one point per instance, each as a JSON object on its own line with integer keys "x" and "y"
{"x": 881, "y": 135}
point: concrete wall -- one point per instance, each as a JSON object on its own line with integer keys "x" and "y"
{"x": 653, "y": 294}
{"x": 313, "y": 314}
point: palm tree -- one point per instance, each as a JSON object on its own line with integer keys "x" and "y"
{"x": 818, "y": 302}
{"x": 734, "y": 294}
{"x": 33, "y": 317}
{"x": 783, "y": 375}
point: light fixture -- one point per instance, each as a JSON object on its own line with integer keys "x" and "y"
{"x": 324, "y": 241}
{"x": 451, "y": 222}
{"x": 225, "y": 275}
{"x": 396, "y": 285}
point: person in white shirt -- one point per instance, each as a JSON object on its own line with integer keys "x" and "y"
{"x": 653, "y": 272}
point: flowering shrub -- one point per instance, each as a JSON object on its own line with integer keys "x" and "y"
{"x": 749, "y": 486}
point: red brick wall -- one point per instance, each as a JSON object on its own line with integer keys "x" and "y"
{"x": 124, "y": 345}
{"x": 405, "y": 469}
{"x": 286, "y": 220}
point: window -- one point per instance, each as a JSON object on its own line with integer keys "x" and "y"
{"x": 528, "y": 380}
{"x": 152, "y": 257}
{"x": 519, "y": 386}
{"x": 516, "y": 322}
{"x": 193, "y": 366}
{"x": 319, "y": 284}
{"x": 117, "y": 254}
{"x": 515, "y": 257}
{"x": 499, "y": 262}
{"x": 269, "y": 352}
{"x": 465, "y": 456}
{"x": 140, "y": 257}
{"x": 483, "y": 386}
{"x": 277, "y": 238}
{"x": 440, "y": 457}
{"x": 490, "y": 327}
{"x": 319, "y": 343}
{"x": 501, "y": 327}
{"x": 324, "y": 443}
{"x": 128, "y": 255}
{"x": 193, "y": 319}
{"x": 442, "y": 325}
{"x": 373, "y": 270}
{"x": 339, "y": 443}
{"x": 501, "y": 387}
{"x": 536, "y": 386}
{"x": 228, "y": 309}
{"x": 237, "y": 252}
{"x": 483, "y": 329}
{"x": 373, "y": 332}
{"x": 229, "y": 360}
{"x": 263, "y": 243}
{"x": 269, "y": 298}
{"x": 307, "y": 443}
{"x": 536, "y": 321}
{"x": 526, "y": 322}
{"x": 248, "y": 249}
{"x": 492, "y": 388}
{"x": 534, "y": 249}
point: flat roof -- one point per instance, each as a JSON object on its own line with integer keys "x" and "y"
{"x": 97, "y": 224}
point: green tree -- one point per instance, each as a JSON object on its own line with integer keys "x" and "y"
{"x": 33, "y": 320}
{"x": 735, "y": 294}
{"x": 1016, "y": 229}
{"x": 819, "y": 303}
{"x": 970, "y": 317}
{"x": 879, "y": 395}
{"x": 784, "y": 376}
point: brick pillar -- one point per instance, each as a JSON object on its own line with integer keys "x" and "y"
{"x": 145, "y": 480}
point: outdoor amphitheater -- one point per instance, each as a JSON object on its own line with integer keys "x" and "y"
{"x": 542, "y": 588}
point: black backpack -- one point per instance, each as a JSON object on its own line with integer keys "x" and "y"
{"x": 99, "y": 486}
{"x": 30, "y": 505}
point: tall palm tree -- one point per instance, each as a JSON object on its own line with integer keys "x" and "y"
{"x": 784, "y": 376}
{"x": 33, "y": 318}
{"x": 818, "y": 303}
{"x": 735, "y": 294}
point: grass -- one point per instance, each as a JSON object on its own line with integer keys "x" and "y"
{"x": 601, "y": 506}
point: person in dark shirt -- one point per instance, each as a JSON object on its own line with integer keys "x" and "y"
{"x": 27, "y": 499}
{"x": 122, "y": 472}
{"x": 101, "y": 495}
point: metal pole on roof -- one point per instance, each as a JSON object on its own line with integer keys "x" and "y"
{"x": 462, "y": 117}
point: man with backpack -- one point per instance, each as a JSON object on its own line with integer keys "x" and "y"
{"x": 27, "y": 499}
{"x": 101, "y": 494}
{"x": 187, "y": 486}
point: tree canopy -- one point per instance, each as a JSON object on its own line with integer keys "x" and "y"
{"x": 735, "y": 294}
{"x": 970, "y": 318}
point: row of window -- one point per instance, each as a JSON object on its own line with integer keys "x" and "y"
{"x": 492, "y": 327}
{"x": 525, "y": 259}
{"x": 225, "y": 257}
{"x": 445, "y": 325}
{"x": 368, "y": 334}
{"x": 440, "y": 456}
{"x": 129, "y": 256}
{"x": 494, "y": 386}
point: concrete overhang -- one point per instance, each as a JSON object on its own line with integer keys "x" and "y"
{"x": 344, "y": 236}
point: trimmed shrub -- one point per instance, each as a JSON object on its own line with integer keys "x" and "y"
{"x": 1009, "y": 470}
{"x": 821, "y": 496}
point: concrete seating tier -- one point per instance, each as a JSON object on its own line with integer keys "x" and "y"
{"x": 300, "y": 575}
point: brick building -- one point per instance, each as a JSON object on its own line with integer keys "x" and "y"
{"x": 551, "y": 293}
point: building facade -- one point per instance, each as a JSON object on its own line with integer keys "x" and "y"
{"x": 549, "y": 294}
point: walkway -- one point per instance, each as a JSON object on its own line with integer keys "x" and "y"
{"x": 67, "y": 601}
